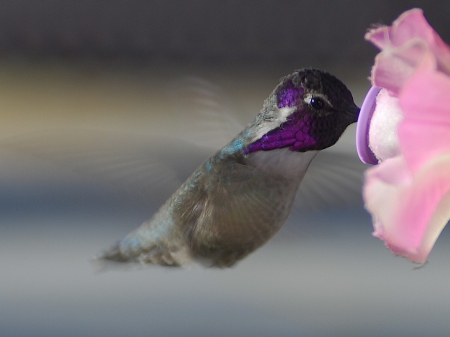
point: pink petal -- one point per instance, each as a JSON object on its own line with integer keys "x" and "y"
{"x": 380, "y": 36}
{"x": 424, "y": 132}
{"x": 410, "y": 25}
{"x": 403, "y": 47}
{"x": 409, "y": 213}
{"x": 393, "y": 68}
{"x": 413, "y": 25}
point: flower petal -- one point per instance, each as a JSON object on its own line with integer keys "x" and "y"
{"x": 409, "y": 213}
{"x": 403, "y": 46}
{"x": 380, "y": 36}
{"x": 393, "y": 68}
{"x": 413, "y": 25}
{"x": 410, "y": 25}
{"x": 424, "y": 132}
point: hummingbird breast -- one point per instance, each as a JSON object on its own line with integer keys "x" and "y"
{"x": 238, "y": 205}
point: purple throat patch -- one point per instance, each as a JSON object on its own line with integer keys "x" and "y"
{"x": 294, "y": 133}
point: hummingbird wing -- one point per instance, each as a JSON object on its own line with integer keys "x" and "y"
{"x": 213, "y": 118}
{"x": 145, "y": 160}
{"x": 333, "y": 179}
{"x": 137, "y": 164}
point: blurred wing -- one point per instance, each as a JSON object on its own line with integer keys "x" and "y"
{"x": 141, "y": 165}
{"x": 203, "y": 113}
{"x": 198, "y": 114}
{"x": 334, "y": 179}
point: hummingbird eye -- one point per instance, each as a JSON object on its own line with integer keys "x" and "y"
{"x": 317, "y": 103}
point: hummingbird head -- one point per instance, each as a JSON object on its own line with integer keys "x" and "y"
{"x": 308, "y": 110}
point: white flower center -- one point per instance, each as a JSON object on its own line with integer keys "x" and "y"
{"x": 383, "y": 140}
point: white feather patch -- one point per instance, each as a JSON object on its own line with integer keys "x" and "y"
{"x": 280, "y": 116}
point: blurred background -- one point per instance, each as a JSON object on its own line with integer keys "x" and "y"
{"x": 87, "y": 87}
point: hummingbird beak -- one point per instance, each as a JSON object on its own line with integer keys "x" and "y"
{"x": 354, "y": 112}
{"x": 357, "y": 111}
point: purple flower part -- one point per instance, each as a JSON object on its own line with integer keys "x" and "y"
{"x": 293, "y": 134}
{"x": 362, "y": 128}
{"x": 289, "y": 96}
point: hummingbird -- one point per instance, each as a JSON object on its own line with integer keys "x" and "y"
{"x": 239, "y": 197}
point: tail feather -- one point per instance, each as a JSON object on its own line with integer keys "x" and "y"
{"x": 128, "y": 250}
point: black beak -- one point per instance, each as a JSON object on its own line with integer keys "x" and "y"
{"x": 353, "y": 113}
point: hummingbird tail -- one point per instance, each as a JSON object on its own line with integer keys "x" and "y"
{"x": 123, "y": 252}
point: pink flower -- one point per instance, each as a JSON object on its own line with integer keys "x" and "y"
{"x": 405, "y": 127}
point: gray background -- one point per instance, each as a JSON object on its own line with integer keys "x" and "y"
{"x": 203, "y": 31}
{"x": 79, "y": 67}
